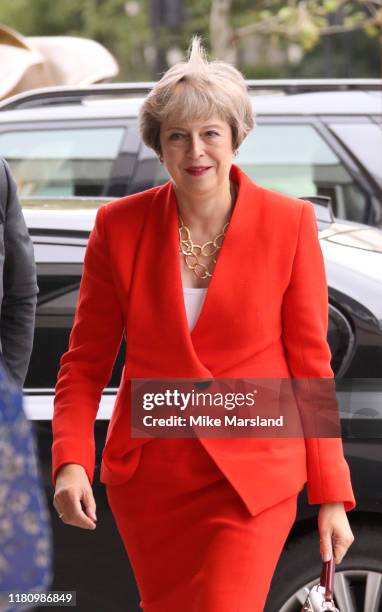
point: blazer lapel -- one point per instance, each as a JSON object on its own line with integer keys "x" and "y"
{"x": 238, "y": 261}
{"x": 157, "y": 322}
{"x": 157, "y": 294}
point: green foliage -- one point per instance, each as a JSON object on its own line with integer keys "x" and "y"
{"x": 40, "y": 17}
{"x": 372, "y": 31}
{"x": 128, "y": 36}
{"x": 262, "y": 71}
{"x": 349, "y": 55}
{"x": 330, "y": 6}
{"x": 287, "y": 13}
{"x": 103, "y": 20}
{"x": 309, "y": 35}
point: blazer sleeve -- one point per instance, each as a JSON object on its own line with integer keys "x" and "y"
{"x": 305, "y": 324}
{"x": 20, "y": 289}
{"x": 86, "y": 367}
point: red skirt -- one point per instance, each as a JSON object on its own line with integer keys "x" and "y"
{"x": 191, "y": 541}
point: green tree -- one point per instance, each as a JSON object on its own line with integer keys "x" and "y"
{"x": 347, "y": 31}
{"x": 107, "y": 21}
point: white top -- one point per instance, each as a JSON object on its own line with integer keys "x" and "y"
{"x": 193, "y": 301}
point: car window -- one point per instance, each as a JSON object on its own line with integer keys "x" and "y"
{"x": 58, "y": 294}
{"x": 295, "y": 160}
{"x": 62, "y": 162}
{"x": 365, "y": 141}
{"x": 161, "y": 175}
{"x": 54, "y": 318}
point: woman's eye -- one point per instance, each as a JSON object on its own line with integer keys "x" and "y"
{"x": 180, "y": 136}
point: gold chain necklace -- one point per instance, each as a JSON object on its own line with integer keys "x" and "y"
{"x": 192, "y": 251}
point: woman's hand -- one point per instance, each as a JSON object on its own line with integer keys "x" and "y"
{"x": 72, "y": 488}
{"x": 335, "y": 532}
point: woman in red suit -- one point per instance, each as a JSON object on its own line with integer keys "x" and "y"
{"x": 204, "y": 520}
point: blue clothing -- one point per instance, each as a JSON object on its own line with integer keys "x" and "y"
{"x": 25, "y": 539}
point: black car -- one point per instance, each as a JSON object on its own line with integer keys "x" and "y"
{"x": 313, "y": 137}
{"x": 94, "y": 563}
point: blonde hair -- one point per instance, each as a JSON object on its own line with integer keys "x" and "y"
{"x": 197, "y": 89}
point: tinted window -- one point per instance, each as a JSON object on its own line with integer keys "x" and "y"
{"x": 62, "y": 162}
{"x": 295, "y": 160}
{"x": 161, "y": 175}
{"x": 365, "y": 142}
{"x": 54, "y": 318}
{"x": 59, "y": 285}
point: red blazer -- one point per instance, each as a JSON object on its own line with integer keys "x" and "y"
{"x": 264, "y": 316}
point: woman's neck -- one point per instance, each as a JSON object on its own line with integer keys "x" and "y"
{"x": 206, "y": 216}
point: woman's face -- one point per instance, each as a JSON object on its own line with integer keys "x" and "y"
{"x": 197, "y": 154}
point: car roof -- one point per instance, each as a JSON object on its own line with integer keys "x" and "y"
{"x": 126, "y": 106}
{"x": 320, "y": 103}
{"x": 88, "y": 109}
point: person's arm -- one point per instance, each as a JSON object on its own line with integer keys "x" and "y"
{"x": 86, "y": 367}
{"x": 305, "y": 322}
{"x": 20, "y": 288}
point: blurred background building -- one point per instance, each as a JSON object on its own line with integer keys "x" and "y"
{"x": 38, "y": 61}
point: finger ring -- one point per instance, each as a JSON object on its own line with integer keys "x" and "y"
{"x": 60, "y": 516}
